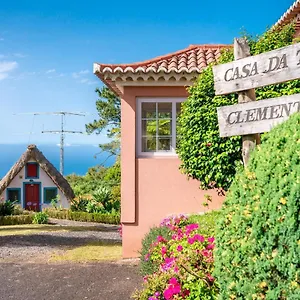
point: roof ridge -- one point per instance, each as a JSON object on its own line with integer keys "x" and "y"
{"x": 169, "y": 55}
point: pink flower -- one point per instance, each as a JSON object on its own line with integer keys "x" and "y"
{"x": 191, "y": 241}
{"x": 179, "y": 248}
{"x": 168, "y": 293}
{"x": 173, "y": 289}
{"x": 169, "y": 262}
{"x": 191, "y": 227}
{"x": 173, "y": 281}
{"x": 147, "y": 256}
{"x": 206, "y": 253}
{"x": 145, "y": 279}
{"x": 199, "y": 238}
{"x": 210, "y": 278}
{"x": 163, "y": 251}
{"x": 211, "y": 239}
{"x": 210, "y": 246}
{"x": 160, "y": 239}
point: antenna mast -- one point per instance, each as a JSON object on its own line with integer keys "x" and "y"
{"x": 62, "y": 133}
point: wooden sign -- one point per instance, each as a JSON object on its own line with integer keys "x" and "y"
{"x": 256, "y": 71}
{"x": 256, "y": 116}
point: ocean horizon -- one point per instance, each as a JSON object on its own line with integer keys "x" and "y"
{"x": 78, "y": 158}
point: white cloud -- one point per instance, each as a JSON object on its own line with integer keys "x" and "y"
{"x": 88, "y": 81}
{"x": 6, "y": 67}
{"x": 19, "y": 55}
{"x": 80, "y": 73}
{"x": 50, "y": 71}
{"x": 84, "y": 72}
{"x": 1, "y": 39}
{"x": 3, "y": 76}
{"x": 92, "y": 82}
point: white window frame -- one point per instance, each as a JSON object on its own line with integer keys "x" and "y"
{"x": 139, "y": 102}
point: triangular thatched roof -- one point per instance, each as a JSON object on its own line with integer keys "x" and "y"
{"x": 33, "y": 152}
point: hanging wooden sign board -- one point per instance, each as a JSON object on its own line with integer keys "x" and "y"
{"x": 251, "y": 117}
{"x": 256, "y": 116}
{"x": 256, "y": 71}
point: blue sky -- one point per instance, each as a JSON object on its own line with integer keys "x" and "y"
{"x": 47, "y": 50}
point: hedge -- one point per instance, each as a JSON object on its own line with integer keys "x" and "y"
{"x": 83, "y": 216}
{"x": 258, "y": 233}
{"x": 16, "y": 220}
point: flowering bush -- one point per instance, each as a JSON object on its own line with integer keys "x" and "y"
{"x": 185, "y": 264}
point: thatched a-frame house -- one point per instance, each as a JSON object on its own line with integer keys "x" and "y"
{"x": 34, "y": 182}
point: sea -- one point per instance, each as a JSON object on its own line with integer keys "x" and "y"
{"x": 77, "y": 158}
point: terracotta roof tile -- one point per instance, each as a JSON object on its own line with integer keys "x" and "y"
{"x": 290, "y": 15}
{"x": 188, "y": 58}
{"x": 192, "y": 59}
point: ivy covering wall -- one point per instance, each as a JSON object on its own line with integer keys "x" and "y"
{"x": 204, "y": 154}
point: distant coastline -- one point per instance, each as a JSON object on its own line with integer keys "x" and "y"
{"x": 78, "y": 158}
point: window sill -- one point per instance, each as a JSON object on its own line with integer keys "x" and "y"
{"x": 157, "y": 155}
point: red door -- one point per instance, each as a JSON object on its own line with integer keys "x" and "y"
{"x": 32, "y": 197}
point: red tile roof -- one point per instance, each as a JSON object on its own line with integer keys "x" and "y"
{"x": 191, "y": 60}
{"x": 290, "y": 15}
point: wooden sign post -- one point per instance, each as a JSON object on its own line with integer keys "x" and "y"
{"x": 242, "y": 50}
{"x": 251, "y": 117}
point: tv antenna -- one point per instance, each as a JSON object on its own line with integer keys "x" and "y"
{"x": 62, "y": 132}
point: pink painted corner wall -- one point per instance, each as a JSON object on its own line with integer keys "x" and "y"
{"x": 152, "y": 188}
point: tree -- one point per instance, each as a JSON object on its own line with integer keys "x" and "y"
{"x": 109, "y": 110}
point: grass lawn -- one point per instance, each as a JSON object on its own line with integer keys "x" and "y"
{"x": 89, "y": 253}
{"x": 36, "y": 228}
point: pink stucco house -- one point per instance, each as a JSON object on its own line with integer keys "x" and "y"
{"x": 152, "y": 186}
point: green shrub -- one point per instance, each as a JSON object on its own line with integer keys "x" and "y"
{"x": 7, "y": 208}
{"x": 147, "y": 266}
{"x": 18, "y": 210}
{"x": 79, "y": 204}
{"x": 107, "y": 218}
{"x": 258, "y": 234}
{"x": 16, "y": 220}
{"x": 40, "y": 218}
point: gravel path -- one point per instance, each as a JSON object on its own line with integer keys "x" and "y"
{"x": 98, "y": 281}
{"x": 29, "y": 246}
{"x": 25, "y": 272}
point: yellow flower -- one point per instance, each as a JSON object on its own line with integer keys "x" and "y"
{"x": 263, "y": 285}
{"x": 283, "y": 201}
{"x": 274, "y": 253}
{"x": 294, "y": 284}
{"x": 231, "y": 285}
